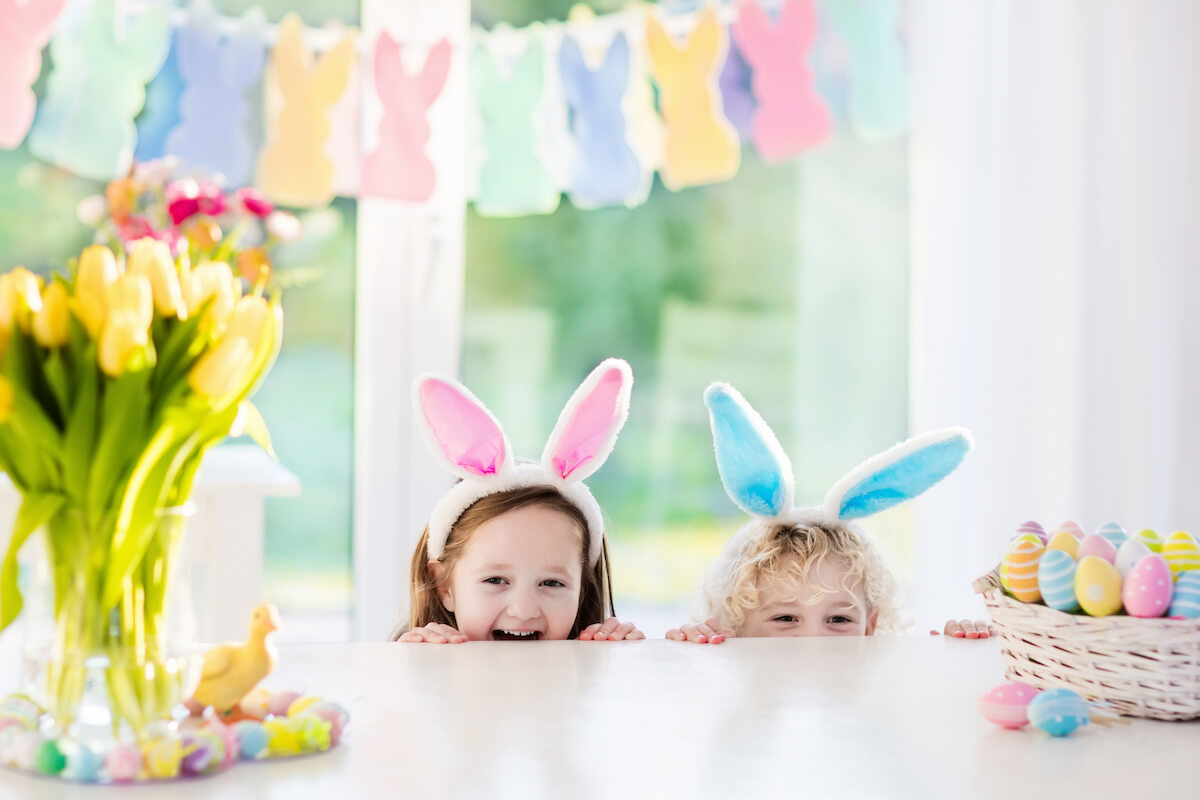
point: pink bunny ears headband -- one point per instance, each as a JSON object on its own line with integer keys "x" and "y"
{"x": 469, "y": 442}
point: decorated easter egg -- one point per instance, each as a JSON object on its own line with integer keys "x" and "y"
{"x": 1150, "y": 539}
{"x": 252, "y": 739}
{"x": 83, "y": 764}
{"x": 1005, "y": 705}
{"x": 162, "y": 757}
{"x": 1185, "y": 602}
{"x": 1020, "y": 565}
{"x": 301, "y": 704}
{"x": 1115, "y": 534}
{"x": 231, "y": 747}
{"x": 312, "y": 732}
{"x": 123, "y": 763}
{"x": 1034, "y": 528}
{"x": 280, "y": 701}
{"x": 1058, "y": 711}
{"x": 335, "y": 715}
{"x": 49, "y": 759}
{"x": 1182, "y": 552}
{"x": 1129, "y": 554}
{"x": 20, "y": 708}
{"x": 1097, "y": 586}
{"x": 1147, "y": 590}
{"x": 199, "y": 754}
{"x": 255, "y": 703}
{"x": 1097, "y": 545}
{"x": 283, "y": 736}
{"x": 1065, "y": 542}
{"x": 1056, "y": 580}
{"x": 1071, "y": 528}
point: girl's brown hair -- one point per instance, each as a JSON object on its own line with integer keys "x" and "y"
{"x": 595, "y": 593}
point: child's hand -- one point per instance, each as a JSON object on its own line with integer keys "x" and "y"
{"x": 708, "y": 631}
{"x": 433, "y": 633}
{"x": 966, "y": 629}
{"x": 612, "y": 630}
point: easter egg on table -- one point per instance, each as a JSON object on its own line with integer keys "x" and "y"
{"x": 1005, "y": 705}
{"x": 199, "y": 754}
{"x": 1097, "y": 545}
{"x": 1181, "y": 552}
{"x": 1056, "y": 580}
{"x": 49, "y": 759}
{"x": 1064, "y": 542}
{"x": 1151, "y": 539}
{"x": 1032, "y": 528}
{"x": 123, "y": 763}
{"x": 301, "y": 704}
{"x": 1115, "y": 534}
{"x": 162, "y": 757}
{"x": 1020, "y": 566}
{"x": 1058, "y": 712}
{"x": 231, "y": 746}
{"x": 335, "y": 715}
{"x": 280, "y": 701}
{"x": 83, "y": 764}
{"x": 1186, "y": 600}
{"x": 1071, "y": 528}
{"x": 1097, "y": 586}
{"x": 255, "y": 703}
{"x": 252, "y": 738}
{"x": 1130, "y": 554}
{"x": 1147, "y": 590}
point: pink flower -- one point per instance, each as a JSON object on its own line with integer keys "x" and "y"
{"x": 188, "y": 197}
{"x": 283, "y": 226}
{"x": 131, "y": 229}
{"x": 254, "y": 201}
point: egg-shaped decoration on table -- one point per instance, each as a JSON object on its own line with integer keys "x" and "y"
{"x": 50, "y": 759}
{"x": 1130, "y": 554}
{"x": 1097, "y": 587}
{"x": 1096, "y": 545}
{"x": 84, "y": 763}
{"x": 1005, "y": 705}
{"x": 123, "y": 763}
{"x": 279, "y": 702}
{"x": 252, "y": 739}
{"x": 335, "y": 715}
{"x": 1059, "y": 712}
{"x": 1064, "y": 542}
{"x": 1115, "y": 534}
{"x": 1181, "y": 552}
{"x": 1021, "y": 569}
{"x": 1186, "y": 600}
{"x": 1072, "y": 528}
{"x": 1056, "y": 580}
{"x": 1147, "y": 589}
{"x": 1151, "y": 539}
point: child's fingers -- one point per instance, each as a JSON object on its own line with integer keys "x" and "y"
{"x": 694, "y": 634}
{"x": 410, "y": 636}
{"x": 634, "y": 634}
{"x": 589, "y": 632}
{"x": 953, "y": 628}
{"x": 606, "y": 629}
{"x": 968, "y": 629}
{"x": 675, "y": 635}
{"x": 622, "y": 632}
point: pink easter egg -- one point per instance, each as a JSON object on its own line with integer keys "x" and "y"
{"x": 279, "y": 702}
{"x": 1032, "y": 527}
{"x": 123, "y": 762}
{"x": 227, "y": 735}
{"x": 335, "y": 715}
{"x": 1006, "y": 705}
{"x": 1072, "y": 528}
{"x": 1147, "y": 589}
{"x": 1096, "y": 545}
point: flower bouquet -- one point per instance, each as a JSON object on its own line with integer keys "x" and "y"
{"x": 115, "y": 380}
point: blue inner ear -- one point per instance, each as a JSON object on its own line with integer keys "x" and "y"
{"x": 904, "y": 479}
{"x": 749, "y": 467}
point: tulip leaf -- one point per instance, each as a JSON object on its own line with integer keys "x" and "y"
{"x": 59, "y": 380}
{"x": 249, "y": 422}
{"x": 36, "y": 509}
{"x": 121, "y": 434}
{"x": 81, "y": 431}
{"x": 179, "y": 350}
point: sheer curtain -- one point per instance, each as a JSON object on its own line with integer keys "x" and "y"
{"x": 1055, "y": 271}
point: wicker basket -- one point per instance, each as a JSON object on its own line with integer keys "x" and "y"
{"x": 1143, "y": 667}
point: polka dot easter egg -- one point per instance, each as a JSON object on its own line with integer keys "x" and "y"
{"x": 1129, "y": 554}
{"x": 1151, "y": 539}
{"x": 1115, "y": 534}
{"x": 1147, "y": 591}
{"x": 1071, "y": 528}
{"x": 1005, "y": 705}
{"x": 1056, "y": 580}
{"x": 1021, "y": 567}
{"x": 1097, "y": 587}
{"x": 1182, "y": 552}
{"x": 1064, "y": 542}
{"x": 1097, "y": 545}
{"x": 1058, "y": 712}
{"x": 1186, "y": 600}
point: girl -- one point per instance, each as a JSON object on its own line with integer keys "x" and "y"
{"x": 515, "y": 550}
{"x": 807, "y": 571}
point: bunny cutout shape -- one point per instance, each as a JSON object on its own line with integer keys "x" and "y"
{"x": 399, "y": 167}
{"x": 469, "y": 442}
{"x": 702, "y": 146}
{"x": 217, "y": 71}
{"x": 26, "y": 29}
{"x": 293, "y": 169}
{"x": 85, "y": 123}
{"x": 879, "y": 89}
{"x": 758, "y": 475}
{"x": 605, "y": 170}
{"x": 791, "y": 117}
{"x": 160, "y": 113}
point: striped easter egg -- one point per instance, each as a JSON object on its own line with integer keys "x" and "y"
{"x": 1151, "y": 539}
{"x": 1097, "y": 586}
{"x": 1021, "y": 567}
{"x": 1064, "y": 541}
{"x": 1115, "y": 534}
{"x": 1056, "y": 580}
{"x": 1097, "y": 545}
{"x": 1027, "y": 536}
{"x": 1186, "y": 602}
{"x": 1181, "y": 552}
{"x": 1034, "y": 528}
{"x": 1058, "y": 711}
{"x": 1071, "y": 528}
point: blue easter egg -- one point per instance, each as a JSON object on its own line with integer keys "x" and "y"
{"x": 1114, "y": 533}
{"x": 252, "y": 738}
{"x": 1056, "y": 580}
{"x": 83, "y": 764}
{"x": 1186, "y": 601}
{"x": 1058, "y": 711}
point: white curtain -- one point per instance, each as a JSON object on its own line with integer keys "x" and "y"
{"x": 1056, "y": 272}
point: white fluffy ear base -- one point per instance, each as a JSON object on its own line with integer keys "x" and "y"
{"x": 587, "y": 429}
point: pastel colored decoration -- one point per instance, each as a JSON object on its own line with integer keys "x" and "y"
{"x": 1071, "y": 528}
{"x": 255, "y": 704}
{"x": 702, "y": 146}
{"x": 1031, "y": 527}
{"x": 49, "y": 759}
{"x": 27, "y": 26}
{"x": 231, "y": 670}
{"x": 399, "y": 167}
{"x": 280, "y": 702}
{"x": 160, "y": 113}
{"x": 96, "y": 88}
{"x": 1059, "y": 712}
{"x": 513, "y": 179}
{"x": 20, "y": 708}
{"x": 83, "y": 764}
{"x": 123, "y": 763}
{"x": 1186, "y": 600}
{"x": 870, "y": 30}
{"x": 1096, "y": 545}
{"x": 293, "y": 168}
{"x": 899, "y": 474}
{"x": 1056, "y": 580}
{"x": 754, "y": 468}
{"x": 1128, "y": 555}
{"x": 200, "y": 755}
{"x": 1147, "y": 590}
{"x": 252, "y": 739}
{"x": 604, "y": 169}
{"x": 217, "y": 71}
{"x": 1064, "y": 541}
{"x": 335, "y": 715}
{"x": 230, "y": 745}
{"x": 302, "y": 704}
{"x": 1021, "y": 567}
{"x": 1097, "y": 586}
{"x": 737, "y": 99}
{"x": 1027, "y": 536}
{"x": 1007, "y": 705}
{"x": 791, "y": 117}
{"x": 162, "y": 757}
{"x": 1182, "y": 552}
{"x": 1151, "y": 539}
{"x": 1113, "y": 532}
{"x": 343, "y": 146}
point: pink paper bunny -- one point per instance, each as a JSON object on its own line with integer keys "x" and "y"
{"x": 24, "y": 30}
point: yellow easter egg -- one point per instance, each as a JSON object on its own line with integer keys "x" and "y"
{"x": 1151, "y": 539}
{"x": 300, "y": 704}
{"x": 1063, "y": 540}
{"x": 1021, "y": 567}
{"x": 1098, "y": 587}
{"x": 1181, "y": 552}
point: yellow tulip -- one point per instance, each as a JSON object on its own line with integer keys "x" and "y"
{"x": 123, "y": 335}
{"x": 6, "y": 399}
{"x": 131, "y": 294}
{"x": 152, "y": 258}
{"x": 20, "y": 298}
{"x": 211, "y": 279}
{"x": 97, "y": 273}
{"x": 52, "y": 326}
{"x": 221, "y": 369}
{"x": 251, "y": 318}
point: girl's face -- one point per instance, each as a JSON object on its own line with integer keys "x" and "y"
{"x": 787, "y": 606}
{"x": 518, "y": 577}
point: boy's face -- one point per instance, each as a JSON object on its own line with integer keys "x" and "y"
{"x": 518, "y": 577}
{"x": 787, "y": 606}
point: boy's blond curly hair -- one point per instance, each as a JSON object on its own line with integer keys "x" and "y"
{"x": 793, "y": 551}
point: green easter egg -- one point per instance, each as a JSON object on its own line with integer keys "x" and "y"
{"x": 49, "y": 759}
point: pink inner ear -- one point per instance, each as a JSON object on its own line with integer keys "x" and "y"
{"x": 467, "y": 435}
{"x": 590, "y": 426}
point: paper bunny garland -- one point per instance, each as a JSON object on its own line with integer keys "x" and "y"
{"x": 468, "y": 441}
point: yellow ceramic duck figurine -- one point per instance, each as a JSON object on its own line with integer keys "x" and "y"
{"x": 231, "y": 670}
